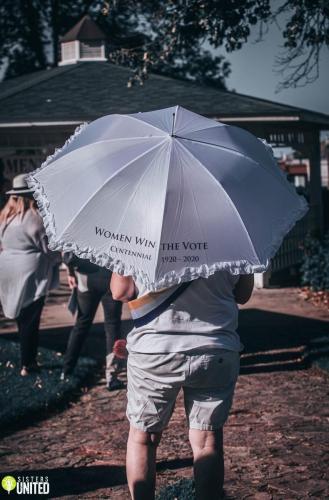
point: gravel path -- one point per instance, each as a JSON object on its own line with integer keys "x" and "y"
{"x": 276, "y": 440}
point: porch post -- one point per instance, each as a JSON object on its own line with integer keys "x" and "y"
{"x": 262, "y": 280}
{"x": 316, "y": 209}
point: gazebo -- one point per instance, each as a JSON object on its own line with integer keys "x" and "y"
{"x": 39, "y": 111}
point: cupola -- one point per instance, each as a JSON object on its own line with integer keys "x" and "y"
{"x": 84, "y": 42}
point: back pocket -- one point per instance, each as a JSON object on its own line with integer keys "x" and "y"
{"x": 220, "y": 369}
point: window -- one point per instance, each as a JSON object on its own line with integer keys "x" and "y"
{"x": 91, "y": 50}
{"x": 300, "y": 180}
{"x": 68, "y": 51}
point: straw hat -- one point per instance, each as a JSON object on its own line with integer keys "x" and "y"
{"x": 20, "y": 185}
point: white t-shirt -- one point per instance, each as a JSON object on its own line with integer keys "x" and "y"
{"x": 204, "y": 316}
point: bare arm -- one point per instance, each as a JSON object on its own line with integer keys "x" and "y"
{"x": 123, "y": 288}
{"x": 243, "y": 289}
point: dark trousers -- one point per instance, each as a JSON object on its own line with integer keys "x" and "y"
{"x": 28, "y": 323}
{"x": 98, "y": 291}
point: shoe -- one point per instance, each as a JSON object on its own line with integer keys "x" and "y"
{"x": 115, "y": 385}
{"x": 64, "y": 376}
{"x": 33, "y": 367}
{"x": 24, "y": 371}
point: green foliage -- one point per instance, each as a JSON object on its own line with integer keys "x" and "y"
{"x": 182, "y": 490}
{"x": 315, "y": 266}
{"x": 30, "y": 31}
{"x": 306, "y": 32}
{"x": 174, "y": 26}
{"x": 197, "y": 65}
{"x": 167, "y": 36}
{"x": 23, "y": 397}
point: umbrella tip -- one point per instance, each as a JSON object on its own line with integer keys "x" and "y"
{"x": 173, "y": 124}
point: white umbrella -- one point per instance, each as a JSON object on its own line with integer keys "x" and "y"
{"x": 166, "y": 196}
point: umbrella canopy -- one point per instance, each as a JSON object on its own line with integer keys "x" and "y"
{"x": 166, "y": 196}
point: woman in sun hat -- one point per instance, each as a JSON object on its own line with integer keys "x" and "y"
{"x": 28, "y": 268}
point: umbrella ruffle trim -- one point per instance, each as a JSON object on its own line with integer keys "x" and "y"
{"x": 173, "y": 277}
{"x": 53, "y": 156}
{"x": 284, "y": 226}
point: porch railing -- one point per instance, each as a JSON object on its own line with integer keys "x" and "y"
{"x": 290, "y": 253}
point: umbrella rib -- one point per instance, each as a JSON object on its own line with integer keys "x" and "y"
{"x": 124, "y": 139}
{"x": 197, "y": 212}
{"x": 164, "y": 204}
{"x": 176, "y": 223}
{"x": 108, "y": 180}
{"x": 134, "y": 193}
{"x": 147, "y": 123}
{"x": 227, "y": 196}
{"x": 230, "y": 150}
{"x": 211, "y": 126}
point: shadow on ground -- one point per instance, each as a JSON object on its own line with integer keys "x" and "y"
{"x": 272, "y": 341}
{"x": 65, "y": 481}
{"x": 56, "y": 339}
{"x": 275, "y": 341}
{"x": 23, "y": 399}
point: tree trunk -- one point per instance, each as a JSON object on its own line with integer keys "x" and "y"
{"x": 55, "y": 30}
{"x": 34, "y": 30}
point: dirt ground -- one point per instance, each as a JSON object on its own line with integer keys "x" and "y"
{"x": 276, "y": 439}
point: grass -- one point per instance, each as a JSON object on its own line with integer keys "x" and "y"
{"x": 24, "y": 397}
{"x": 181, "y": 490}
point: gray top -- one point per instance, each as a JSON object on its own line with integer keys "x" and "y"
{"x": 27, "y": 267}
{"x": 204, "y": 316}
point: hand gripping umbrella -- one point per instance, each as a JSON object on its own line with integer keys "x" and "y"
{"x": 166, "y": 196}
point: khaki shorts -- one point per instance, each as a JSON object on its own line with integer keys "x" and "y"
{"x": 208, "y": 381}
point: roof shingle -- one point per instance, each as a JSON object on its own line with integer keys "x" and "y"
{"x": 85, "y": 91}
{"x": 85, "y": 29}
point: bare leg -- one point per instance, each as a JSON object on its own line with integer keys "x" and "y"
{"x": 141, "y": 457}
{"x": 207, "y": 447}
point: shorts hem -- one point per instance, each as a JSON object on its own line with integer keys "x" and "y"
{"x": 146, "y": 428}
{"x": 205, "y": 427}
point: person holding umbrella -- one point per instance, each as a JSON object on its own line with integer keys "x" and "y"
{"x": 192, "y": 345}
{"x": 184, "y": 209}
